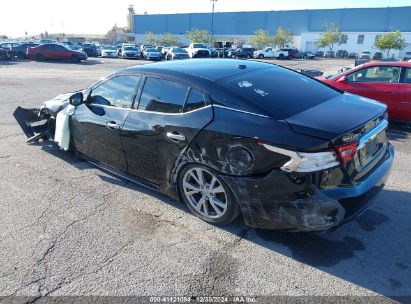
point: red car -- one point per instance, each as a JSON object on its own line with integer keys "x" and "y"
{"x": 55, "y": 51}
{"x": 387, "y": 82}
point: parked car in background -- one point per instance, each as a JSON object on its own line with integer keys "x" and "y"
{"x": 20, "y": 50}
{"x": 4, "y": 54}
{"x": 387, "y": 82}
{"x": 9, "y": 47}
{"x": 243, "y": 52}
{"x": 291, "y": 52}
{"x": 152, "y": 54}
{"x": 341, "y": 54}
{"x": 365, "y": 55}
{"x": 377, "y": 56}
{"x": 109, "y": 51}
{"x": 353, "y": 55}
{"x": 130, "y": 52}
{"x": 198, "y": 50}
{"x": 269, "y": 52}
{"x": 222, "y": 52}
{"x": 177, "y": 53}
{"x": 47, "y": 41}
{"x": 305, "y": 159}
{"x": 329, "y": 54}
{"x": 319, "y": 54}
{"x": 407, "y": 56}
{"x": 308, "y": 55}
{"x": 90, "y": 49}
{"x": 56, "y": 52}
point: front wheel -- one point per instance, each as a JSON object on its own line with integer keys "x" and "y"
{"x": 207, "y": 195}
{"x": 261, "y": 56}
{"x": 281, "y": 56}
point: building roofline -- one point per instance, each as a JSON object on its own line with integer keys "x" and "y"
{"x": 271, "y": 11}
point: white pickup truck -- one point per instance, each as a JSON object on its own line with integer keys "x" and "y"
{"x": 198, "y": 50}
{"x": 269, "y": 52}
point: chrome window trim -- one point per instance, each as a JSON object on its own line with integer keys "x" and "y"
{"x": 144, "y": 111}
{"x": 241, "y": 111}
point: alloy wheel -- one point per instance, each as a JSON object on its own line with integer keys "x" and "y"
{"x": 205, "y": 193}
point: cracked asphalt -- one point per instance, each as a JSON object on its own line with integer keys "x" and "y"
{"x": 70, "y": 229}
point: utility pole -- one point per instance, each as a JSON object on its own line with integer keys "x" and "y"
{"x": 212, "y": 22}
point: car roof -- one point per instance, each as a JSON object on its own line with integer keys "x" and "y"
{"x": 211, "y": 69}
{"x": 386, "y": 63}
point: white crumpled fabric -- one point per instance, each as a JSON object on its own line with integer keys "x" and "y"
{"x": 62, "y": 133}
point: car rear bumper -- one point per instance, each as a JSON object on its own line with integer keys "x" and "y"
{"x": 285, "y": 201}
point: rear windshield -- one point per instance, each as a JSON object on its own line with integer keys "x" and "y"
{"x": 282, "y": 92}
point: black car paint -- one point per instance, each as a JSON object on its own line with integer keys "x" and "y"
{"x": 268, "y": 196}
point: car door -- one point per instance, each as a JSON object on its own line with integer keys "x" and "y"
{"x": 60, "y": 52}
{"x": 404, "y": 100}
{"x": 376, "y": 82}
{"x": 169, "y": 116}
{"x": 96, "y": 124}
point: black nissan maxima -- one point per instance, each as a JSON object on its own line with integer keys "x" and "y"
{"x": 231, "y": 137}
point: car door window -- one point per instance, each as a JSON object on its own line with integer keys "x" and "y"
{"x": 117, "y": 92}
{"x": 381, "y": 74}
{"x": 195, "y": 100}
{"x": 407, "y": 76}
{"x": 163, "y": 96}
{"x": 59, "y": 48}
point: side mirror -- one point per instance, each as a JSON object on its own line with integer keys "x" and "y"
{"x": 342, "y": 79}
{"x": 76, "y": 99}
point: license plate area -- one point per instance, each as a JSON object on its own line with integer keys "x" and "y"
{"x": 371, "y": 149}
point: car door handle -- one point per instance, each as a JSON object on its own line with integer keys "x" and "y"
{"x": 176, "y": 136}
{"x": 112, "y": 125}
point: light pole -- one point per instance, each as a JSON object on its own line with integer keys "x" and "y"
{"x": 212, "y": 22}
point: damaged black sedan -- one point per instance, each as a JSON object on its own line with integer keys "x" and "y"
{"x": 229, "y": 137}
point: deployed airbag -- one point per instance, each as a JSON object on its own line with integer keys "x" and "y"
{"x": 62, "y": 133}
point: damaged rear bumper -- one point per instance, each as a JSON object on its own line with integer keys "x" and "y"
{"x": 298, "y": 203}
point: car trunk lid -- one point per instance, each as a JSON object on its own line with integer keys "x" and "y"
{"x": 344, "y": 120}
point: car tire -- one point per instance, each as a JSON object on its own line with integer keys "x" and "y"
{"x": 261, "y": 56}
{"x": 75, "y": 59}
{"x": 281, "y": 56}
{"x": 21, "y": 55}
{"x": 233, "y": 56}
{"x": 39, "y": 57}
{"x": 198, "y": 184}
{"x": 248, "y": 56}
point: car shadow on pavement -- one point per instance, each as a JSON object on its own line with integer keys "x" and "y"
{"x": 93, "y": 61}
{"x": 372, "y": 251}
{"x": 399, "y": 132}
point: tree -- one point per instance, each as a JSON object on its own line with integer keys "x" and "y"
{"x": 150, "y": 38}
{"x": 331, "y": 36}
{"x": 390, "y": 41}
{"x": 169, "y": 40}
{"x": 199, "y": 36}
{"x": 261, "y": 38}
{"x": 283, "y": 37}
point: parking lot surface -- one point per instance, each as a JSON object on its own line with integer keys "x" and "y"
{"x": 68, "y": 228}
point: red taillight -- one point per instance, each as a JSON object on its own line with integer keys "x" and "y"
{"x": 347, "y": 152}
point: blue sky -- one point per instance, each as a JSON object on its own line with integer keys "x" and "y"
{"x": 97, "y": 17}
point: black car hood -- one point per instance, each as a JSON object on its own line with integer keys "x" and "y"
{"x": 336, "y": 116}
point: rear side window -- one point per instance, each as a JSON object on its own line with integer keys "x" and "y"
{"x": 195, "y": 100}
{"x": 407, "y": 76}
{"x": 282, "y": 92}
{"x": 162, "y": 96}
